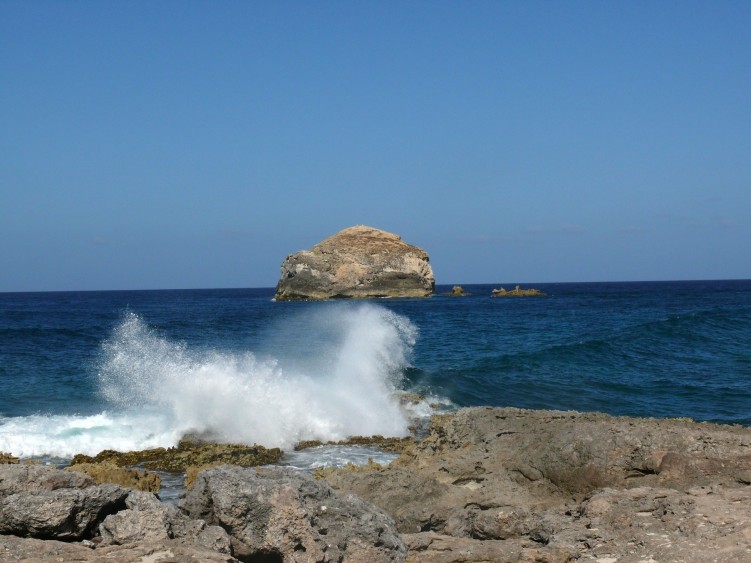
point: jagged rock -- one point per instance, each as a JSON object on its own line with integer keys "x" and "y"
{"x": 555, "y": 485}
{"x": 64, "y": 514}
{"x": 281, "y": 514}
{"x": 357, "y": 262}
{"x": 146, "y": 519}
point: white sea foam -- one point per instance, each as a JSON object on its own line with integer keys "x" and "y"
{"x": 326, "y": 373}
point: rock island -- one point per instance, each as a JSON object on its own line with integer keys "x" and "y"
{"x": 358, "y": 262}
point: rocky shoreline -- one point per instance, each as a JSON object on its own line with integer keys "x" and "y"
{"x": 484, "y": 484}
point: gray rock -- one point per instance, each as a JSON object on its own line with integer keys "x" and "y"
{"x": 286, "y": 515}
{"x": 357, "y": 262}
{"x": 146, "y": 519}
{"x": 39, "y": 478}
{"x": 63, "y": 514}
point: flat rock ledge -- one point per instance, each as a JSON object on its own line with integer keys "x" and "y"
{"x": 358, "y": 262}
{"x": 484, "y": 485}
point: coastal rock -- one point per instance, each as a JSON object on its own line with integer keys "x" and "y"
{"x": 558, "y": 486}
{"x": 63, "y": 514}
{"x": 33, "y": 479}
{"x": 281, "y": 514}
{"x": 457, "y": 291}
{"x": 146, "y": 519}
{"x": 190, "y": 451}
{"x": 7, "y": 458}
{"x": 357, "y": 262}
{"x": 108, "y": 472}
{"x": 517, "y": 292}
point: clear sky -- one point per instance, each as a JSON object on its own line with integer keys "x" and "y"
{"x": 178, "y": 144}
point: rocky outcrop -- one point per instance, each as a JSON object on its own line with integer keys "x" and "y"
{"x": 457, "y": 291}
{"x": 517, "y": 292}
{"x": 484, "y": 484}
{"x": 232, "y": 514}
{"x": 283, "y": 515}
{"x": 519, "y": 485}
{"x": 63, "y": 514}
{"x": 357, "y": 262}
{"x": 190, "y": 451}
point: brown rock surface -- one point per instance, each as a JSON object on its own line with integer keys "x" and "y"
{"x": 519, "y": 485}
{"x": 357, "y": 262}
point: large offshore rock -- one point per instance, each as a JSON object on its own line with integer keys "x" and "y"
{"x": 282, "y": 515}
{"x": 357, "y": 262}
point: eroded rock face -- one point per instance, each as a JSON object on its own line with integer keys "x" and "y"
{"x": 357, "y": 262}
{"x": 509, "y": 484}
{"x": 284, "y": 515}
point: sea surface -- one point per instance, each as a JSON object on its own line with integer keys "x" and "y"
{"x": 127, "y": 370}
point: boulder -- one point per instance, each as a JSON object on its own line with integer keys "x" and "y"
{"x": 32, "y": 479}
{"x": 357, "y": 262}
{"x": 146, "y": 519}
{"x": 63, "y": 514}
{"x": 277, "y": 514}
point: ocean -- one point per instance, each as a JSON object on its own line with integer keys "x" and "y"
{"x": 81, "y": 372}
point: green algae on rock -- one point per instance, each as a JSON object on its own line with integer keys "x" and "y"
{"x": 188, "y": 452}
{"x": 108, "y": 472}
{"x": 392, "y": 444}
{"x": 7, "y": 459}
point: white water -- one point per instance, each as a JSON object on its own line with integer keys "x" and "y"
{"x": 334, "y": 373}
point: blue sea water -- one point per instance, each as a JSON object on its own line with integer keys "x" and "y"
{"x": 87, "y": 371}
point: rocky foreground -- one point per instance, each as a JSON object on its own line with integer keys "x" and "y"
{"x": 484, "y": 485}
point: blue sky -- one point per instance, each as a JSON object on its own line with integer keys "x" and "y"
{"x": 169, "y": 144}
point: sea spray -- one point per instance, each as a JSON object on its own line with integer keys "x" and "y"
{"x": 336, "y": 377}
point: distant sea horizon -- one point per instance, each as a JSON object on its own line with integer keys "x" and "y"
{"x": 523, "y": 284}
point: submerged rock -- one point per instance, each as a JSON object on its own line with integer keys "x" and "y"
{"x": 357, "y": 262}
{"x": 457, "y": 291}
{"x": 517, "y": 292}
